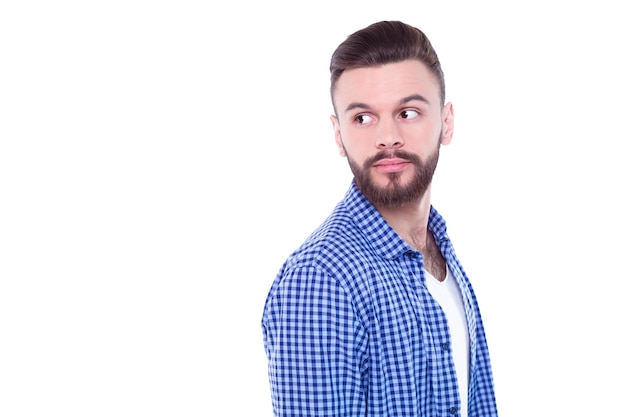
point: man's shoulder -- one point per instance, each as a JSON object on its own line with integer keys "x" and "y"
{"x": 334, "y": 247}
{"x": 338, "y": 233}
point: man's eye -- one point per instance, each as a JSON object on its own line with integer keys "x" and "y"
{"x": 363, "y": 119}
{"x": 409, "y": 114}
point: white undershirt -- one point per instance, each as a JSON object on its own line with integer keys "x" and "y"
{"x": 447, "y": 294}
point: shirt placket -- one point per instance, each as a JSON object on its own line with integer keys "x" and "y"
{"x": 437, "y": 337}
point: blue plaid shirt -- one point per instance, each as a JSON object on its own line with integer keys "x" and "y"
{"x": 350, "y": 329}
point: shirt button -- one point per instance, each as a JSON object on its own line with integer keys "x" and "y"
{"x": 453, "y": 410}
{"x": 445, "y": 346}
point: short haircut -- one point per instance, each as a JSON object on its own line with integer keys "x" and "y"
{"x": 382, "y": 43}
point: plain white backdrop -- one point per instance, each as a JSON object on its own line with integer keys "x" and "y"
{"x": 159, "y": 160}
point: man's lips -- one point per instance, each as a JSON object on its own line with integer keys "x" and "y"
{"x": 388, "y": 165}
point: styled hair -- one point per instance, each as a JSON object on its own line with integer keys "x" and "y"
{"x": 382, "y": 43}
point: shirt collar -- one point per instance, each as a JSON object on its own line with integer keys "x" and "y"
{"x": 377, "y": 231}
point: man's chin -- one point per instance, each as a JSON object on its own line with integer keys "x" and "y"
{"x": 392, "y": 182}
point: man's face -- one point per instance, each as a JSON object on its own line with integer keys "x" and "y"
{"x": 390, "y": 124}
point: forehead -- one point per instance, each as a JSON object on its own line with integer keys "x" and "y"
{"x": 388, "y": 83}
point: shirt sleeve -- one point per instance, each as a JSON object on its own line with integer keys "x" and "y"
{"x": 316, "y": 347}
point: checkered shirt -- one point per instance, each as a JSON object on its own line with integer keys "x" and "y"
{"x": 349, "y": 328}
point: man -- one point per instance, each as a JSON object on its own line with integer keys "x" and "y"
{"x": 374, "y": 315}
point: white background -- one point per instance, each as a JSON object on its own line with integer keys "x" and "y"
{"x": 159, "y": 160}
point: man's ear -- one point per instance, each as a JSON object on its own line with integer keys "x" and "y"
{"x": 447, "y": 118}
{"x": 337, "y": 132}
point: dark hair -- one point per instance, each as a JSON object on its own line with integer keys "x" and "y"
{"x": 384, "y": 43}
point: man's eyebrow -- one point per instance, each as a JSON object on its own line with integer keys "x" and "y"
{"x": 412, "y": 97}
{"x": 364, "y": 106}
{"x": 357, "y": 105}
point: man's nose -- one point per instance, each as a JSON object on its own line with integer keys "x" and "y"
{"x": 388, "y": 136}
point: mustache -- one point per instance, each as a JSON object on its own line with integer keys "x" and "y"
{"x": 392, "y": 154}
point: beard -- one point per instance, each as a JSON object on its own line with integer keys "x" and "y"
{"x": 394, "y": 194}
